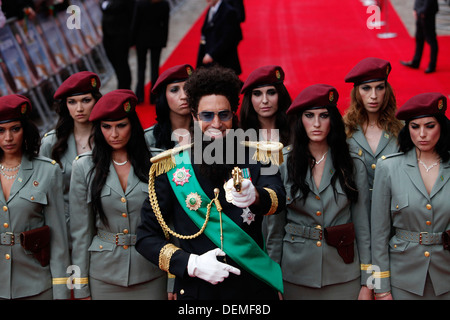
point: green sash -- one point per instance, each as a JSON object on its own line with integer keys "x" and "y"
{"x": 237, "y": 244}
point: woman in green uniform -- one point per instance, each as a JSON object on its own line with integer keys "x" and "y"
{"x": 174, "y": 120}
{"x": 34, "y": 254}
{"x": 371, "y": 126}
{"x": 265, "y": 103}
{"x": 410, "y": 206}
{"x": 107, "y": 190}
{"x": 74, "y": 101}
{"x": 322, "y": 239}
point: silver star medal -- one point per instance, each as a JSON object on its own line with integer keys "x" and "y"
{"x": 247, "y": 216}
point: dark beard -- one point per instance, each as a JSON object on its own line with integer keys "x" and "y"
{"x": 219, "y": 171}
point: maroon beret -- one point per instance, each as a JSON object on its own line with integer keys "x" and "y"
{"x": 369, "y": 70}
{"x": 79, "y": 83}
{"x": 114, "y": 105}
{"x": 423, "y": 105}
{"x": 314, "y": 96}
{"x": 263, "y": 76}
{"x": 13, "y": 107}
{"x": 174, "y": 74}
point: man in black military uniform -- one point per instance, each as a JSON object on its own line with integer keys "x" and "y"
{"x": 425, "y": 13}
{"x": 216, "y": 220}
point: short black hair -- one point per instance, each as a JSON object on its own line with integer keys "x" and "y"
{"x": 214, "y": 80}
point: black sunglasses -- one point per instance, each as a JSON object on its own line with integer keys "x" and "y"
{"x": 208, "y": 116}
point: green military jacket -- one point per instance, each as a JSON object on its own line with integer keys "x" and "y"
{"x": 312, "y": 262}
{"x": 400, "y": 201}
{"x": 358, "y": 144}
{"x": 47, "y": 143}
{"x": 99, "y": 256}
{"x": 35, "y": 200}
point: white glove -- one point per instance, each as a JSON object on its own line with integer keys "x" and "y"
{"x": 246, "y": 197}
{"x": 207, "y": 267}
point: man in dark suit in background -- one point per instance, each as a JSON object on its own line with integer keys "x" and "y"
{"x": 220, "y": 36}
{"x": 116, "y": 23}
{"x": 425, "y": 14}
{"x": 150, "y": 31}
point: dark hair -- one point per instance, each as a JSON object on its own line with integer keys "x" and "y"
{"x": 64, "y": 127}
{"x": 163, "y": 128}
{"x": 31, "y": 139}
{"x": 249, "y": 117}
{"x": 300, "y": 158}
{"x": 216, "y": 80}
{"x": 138, "y": 155}
{"x": 442, "y": 146}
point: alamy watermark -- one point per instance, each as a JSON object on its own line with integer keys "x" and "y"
{"x": 74, "y": 20}
{"x": 232, "y": 150}
{"x": 374, "y": 21}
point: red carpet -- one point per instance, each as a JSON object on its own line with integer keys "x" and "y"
{"x": 317, "y": 43}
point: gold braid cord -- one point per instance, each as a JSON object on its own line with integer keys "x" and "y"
{"x": 155, "y": 205}
{"x": 274, "y": 200}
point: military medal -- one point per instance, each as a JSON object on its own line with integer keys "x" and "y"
{"x": 247, "y": 216}
{"x": 193, "y": 201}
{"x": 181, "y": 176}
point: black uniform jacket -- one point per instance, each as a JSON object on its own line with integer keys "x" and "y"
{"x": 151, "y": 237}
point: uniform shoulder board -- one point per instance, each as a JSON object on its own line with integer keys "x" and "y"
{"x": 86, "y": 154}
{"x": 287, "y": 149}
{"x": 51, "y": 132}
{"x": 165, "y": 161}
{"x": 266, "y": 151}
{"x": 388, "y": 156}
{"x": 45, "y": 159}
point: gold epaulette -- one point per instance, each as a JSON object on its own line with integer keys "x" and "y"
{"x": 165, "y": 161}
{"x": 266, "y": 151}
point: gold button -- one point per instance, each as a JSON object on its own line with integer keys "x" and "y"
{"x": 5, "y": 208}
{"x": 428, "y": 206}
{"x": 125, "y": 247}
{"x": 374, "y": 166}
{"x": 123, "y": 200}
{"x": 426, "y": 254}
{"x": 428, "y": 223}
{"x": 124, "y": 215}
{"x": 318, "y": 243}
{"x": 125, "y": 231}
{"x": 318, "y": 213}
{"x": 182, "y": 291}
{"x": 100, "y": 247}
{"x": 289, "y": 198}
{"x": 396, "y": 207}
{"x": 317, "y": 197}
{"x": 292, "y": 238}
{"x": 395, "y": 246}
{"x": 32, "y": 198}
{"x": 383, "y": 157}
{"x": 7, "y": 256}
{"x": 6, "y": 225}
{"x": 289, "y": 148}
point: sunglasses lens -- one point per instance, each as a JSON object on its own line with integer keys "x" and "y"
{"x": 225, "y": 115}
{"x": 206, "y": 116}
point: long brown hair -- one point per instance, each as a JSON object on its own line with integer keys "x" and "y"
{"x": 356, "y": 114}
